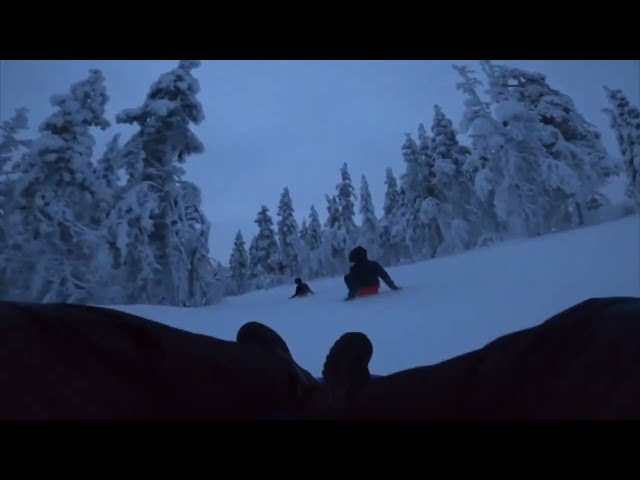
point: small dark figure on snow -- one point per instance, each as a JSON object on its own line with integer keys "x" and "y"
{"x": 302, "y": 289}
{"x": 363, "y": 277}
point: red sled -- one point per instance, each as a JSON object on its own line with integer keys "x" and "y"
{"x": 368, "y": 291}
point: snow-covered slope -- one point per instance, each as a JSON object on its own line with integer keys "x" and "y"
{"x": 448, "y": 306}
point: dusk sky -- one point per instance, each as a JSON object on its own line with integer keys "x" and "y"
{"x": 271, "y": 124}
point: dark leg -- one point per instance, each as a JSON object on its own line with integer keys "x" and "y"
{"x": 351, "y": 285}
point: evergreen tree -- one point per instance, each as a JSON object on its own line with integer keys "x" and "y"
{"x": 110, "y": 163}
{"x": 303, "y": 233}
{"x": 485, "y": 171}
{"x": 333, "y": 213}
{"x": 266, "y": 266}
{"x": 239, "y": 265}
{"x": 288, "y": 235}
{"x": 10, "y": 144}
{"x": 314, "y": 238}
{"x": 108, "y": 190}
{"x": 165, "y": 142}
{"x": 426, "y": 163}
{"x": 131, "y": 224}
{"x": 457, "y": 217}
{"x": 61, "y": 256}
{"x": 334, "y": 239}
{"x": 566, "y": 136}
{"x": 346, "y": 200}
{"x": 392, "y": 236}
{"x": 515, "y": 169}
{"x": 521, "y": 201}
{"x": 12, "y": 148}
{"x": 391, "y": 197}
{"x": 420, "y": 212}
{"x": 449, "y": 160}
{"x": 414, "y": 180}
{"x": 369, "y": 230}
{"x": 625, "y": 122}
{"x": 204, "y": 286}
{"x": 316, "y": 266}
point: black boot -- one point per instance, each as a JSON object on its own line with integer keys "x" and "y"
{"x": 258, "y": 334}
{"x": 346, "y": 369}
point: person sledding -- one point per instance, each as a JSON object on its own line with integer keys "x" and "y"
{"x": 363, "y": 277}
{"x": 302, "y": 289}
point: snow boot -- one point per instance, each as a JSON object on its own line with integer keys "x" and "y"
{"x": 346, "y": 369}
{"x": 258, "y": 334}
{"x": 254, "y": 333}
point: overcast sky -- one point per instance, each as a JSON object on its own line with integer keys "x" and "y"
{"x": 271, "y": 124}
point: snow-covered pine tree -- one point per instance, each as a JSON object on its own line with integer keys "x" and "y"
{"x": 61, "y": 256}
{"x": 333, "y": 212}
{"x": 346, "y": 196}
{"x": 110, "y": 163}
{"x": 288, "y": 236}
{"x": 427, "y": 162}
{"x": 257, "y": 278}
{"x": 391, "y": 196}
{"x": 566, "y": 135}
{"x": 434, "y": 201}
{"x": 303, "y": 233}
{"x": 108, "y": 189}
{"x": 166, "y": 141}
{"x": 413, "y": 180}
{"x": 108, "y": 192}
{"x": 481, "y": 165}
{"x": 314, "y": 238}
{"x": 334, "y": 239}
{"x": 12, "y": 148}
{"x": 369, "y": 229}
{"x": 302, "y": 249}
{"x": 266, "y": 267}
{"x": 131, "y": 223}
{"x": 204, "y": 286}
{"x": 239, "y": 265}
{"x": 575, "y": 164}
{"x": 420, "y": 212}
{"x": 10, "y": 143}
{"x": 521, "y": 200}
{"x": 391, "y": 238}
{"x": 457, "y": 216}
{"x": 449, "y": 160}
{"x": 400, "y": 233}
{"x": 314, "y": 245}
{"x": 625, "y": 122}
{"x": 519, "y": 169}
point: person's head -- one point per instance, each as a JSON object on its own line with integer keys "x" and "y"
{"x": 358, "y": 254}
{"x": 298, "y": 281}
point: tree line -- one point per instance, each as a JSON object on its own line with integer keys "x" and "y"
{"x": 128, "y": 228}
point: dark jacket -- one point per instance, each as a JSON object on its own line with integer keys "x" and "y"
{"x": 365, "y": 272}
{"x": 302, "y": 289}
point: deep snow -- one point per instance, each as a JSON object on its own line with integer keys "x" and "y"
{"x": 448, "y": 306}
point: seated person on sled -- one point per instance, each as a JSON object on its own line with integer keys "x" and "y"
{"x": 302, "y": 289}
{"x": 363, "y": 277}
